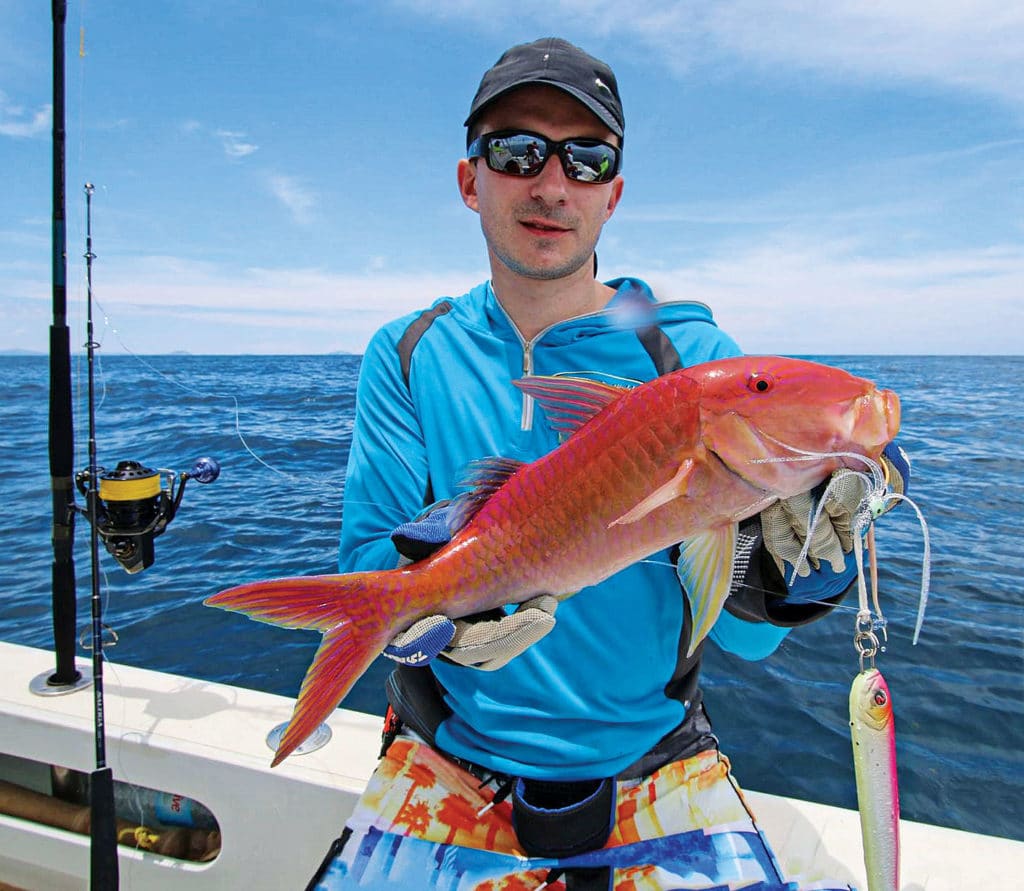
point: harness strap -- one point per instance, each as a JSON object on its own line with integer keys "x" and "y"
{"x": 660, "y": 348}
{"x": 417, "y": 328}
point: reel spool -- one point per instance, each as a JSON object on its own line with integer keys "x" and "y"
{"x": 133, "y": 507}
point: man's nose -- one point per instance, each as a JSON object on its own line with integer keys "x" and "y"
{"x": 550, "y": 184}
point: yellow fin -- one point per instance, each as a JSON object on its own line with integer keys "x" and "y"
{"x": 705, "y": 569}
{"x": 673, "y": 489}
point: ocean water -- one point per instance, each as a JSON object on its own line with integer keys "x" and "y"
{"x": 281, "y": 427}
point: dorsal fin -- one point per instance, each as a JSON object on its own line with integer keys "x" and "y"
{"x": 482, "y": 478}
{"x": 569, "y": 402}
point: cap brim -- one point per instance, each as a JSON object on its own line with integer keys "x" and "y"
{"x": 599, "y": 111}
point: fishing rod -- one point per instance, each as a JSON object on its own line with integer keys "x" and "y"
{"x": 126, "y": 509}
{"x": 61, "y": 428}
{"x": 135, "y": 510}
{"x": 103, "y": 872}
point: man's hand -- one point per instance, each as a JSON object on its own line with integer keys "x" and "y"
{"x": 488, "y": 641}
{"x": 784, "y": 524}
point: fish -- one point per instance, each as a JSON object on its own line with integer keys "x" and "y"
{"x": 679, "y": 459}
{"x": 873, "y": 732}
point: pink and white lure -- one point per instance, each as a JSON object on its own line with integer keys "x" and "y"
{"x": 873, "y": 732}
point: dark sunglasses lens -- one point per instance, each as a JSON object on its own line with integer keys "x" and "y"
{"x": 591, "y": 162}
{"x": 519, "y": 154}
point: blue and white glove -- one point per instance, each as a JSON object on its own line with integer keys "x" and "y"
{"x": 488, "y": 641}
{"x": 784, "y": 524}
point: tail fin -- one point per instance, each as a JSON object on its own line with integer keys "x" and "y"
{"x": 356, "y": 626}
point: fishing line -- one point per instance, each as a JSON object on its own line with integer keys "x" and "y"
{"x": 321, "y": 482}
{"x": 80, "y": 110}
{"x": 877, "y": 500}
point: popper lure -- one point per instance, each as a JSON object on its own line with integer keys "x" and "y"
{"x": 873, "y": 732}
{"x": 872, "y": 722}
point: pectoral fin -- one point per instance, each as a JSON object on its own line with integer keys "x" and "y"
{"x": 705, "y": 569}
{"x": 673, "y": 489}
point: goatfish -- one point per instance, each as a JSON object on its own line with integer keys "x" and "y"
{"x": 873, "y": 732}
{"x": 679, "y": 460}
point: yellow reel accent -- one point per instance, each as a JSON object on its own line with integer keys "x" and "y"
{"x": 130, "y": 490}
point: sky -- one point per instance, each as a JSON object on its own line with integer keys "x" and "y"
{"x": 279, "y": 177}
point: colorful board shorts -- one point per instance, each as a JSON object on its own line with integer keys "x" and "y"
{"x": 425, "y": 823}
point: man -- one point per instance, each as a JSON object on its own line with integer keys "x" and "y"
{"x": 567, "y": 752}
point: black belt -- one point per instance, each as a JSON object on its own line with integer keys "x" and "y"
{"x": 551, "y": 818}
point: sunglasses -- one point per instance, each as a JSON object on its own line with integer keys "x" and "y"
{"x": 524, "y": 153}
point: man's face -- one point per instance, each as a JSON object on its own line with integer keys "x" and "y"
{"x": 544, "y": 226}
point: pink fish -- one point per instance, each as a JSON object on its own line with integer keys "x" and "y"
{"x": 680, "y": 459}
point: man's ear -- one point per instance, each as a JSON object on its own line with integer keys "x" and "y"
{"x": 466, "y": 174}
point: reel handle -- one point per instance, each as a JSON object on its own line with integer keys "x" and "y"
{"x": 204, "y": 471}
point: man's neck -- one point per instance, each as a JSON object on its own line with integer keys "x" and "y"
{"x": 535, "y": 304}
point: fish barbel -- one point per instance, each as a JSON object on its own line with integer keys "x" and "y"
{"x": 680, "y": 459}
{"x": 873, "y": 732}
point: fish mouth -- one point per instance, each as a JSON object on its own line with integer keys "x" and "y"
{"x": 875, "y": 423}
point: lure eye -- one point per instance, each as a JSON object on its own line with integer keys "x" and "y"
{"x": 879, "y": 698}
{"x": 760, "y": 382}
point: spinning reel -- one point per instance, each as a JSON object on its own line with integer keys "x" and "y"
{"x": 132, "y": 508}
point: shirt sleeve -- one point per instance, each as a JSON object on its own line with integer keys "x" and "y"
{"x": 761, "y": 599}
{"x": 386, "y": 477}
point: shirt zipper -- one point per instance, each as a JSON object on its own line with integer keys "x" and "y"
{"x": 526, "y": 420}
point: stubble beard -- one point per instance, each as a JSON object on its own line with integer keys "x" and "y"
{"x": 537, "y": 272}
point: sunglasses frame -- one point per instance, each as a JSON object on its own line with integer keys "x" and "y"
{"x": 480, "y": 148}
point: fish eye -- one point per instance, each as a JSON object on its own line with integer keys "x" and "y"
{"x": 760, "y": 382}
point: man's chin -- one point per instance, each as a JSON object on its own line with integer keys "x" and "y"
{"x": 550, "y": 271}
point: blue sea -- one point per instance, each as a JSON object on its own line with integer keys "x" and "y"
{"x": 281, "y": 427}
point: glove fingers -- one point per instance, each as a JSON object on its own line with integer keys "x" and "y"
{"x": 490, "y": 645}
{"x": 546, "y": 602}
{"x": 780, "y": 537}
{"x": 784, "y": 528}
{"x": 846, "y": 493}
{"x": 795, "y": 511}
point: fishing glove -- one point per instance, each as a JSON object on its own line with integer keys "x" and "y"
{"x": 486, "y": 641}
{"x": 784, "y": 524}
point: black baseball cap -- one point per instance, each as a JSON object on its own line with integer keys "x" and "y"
{"x": 560, "y": 64}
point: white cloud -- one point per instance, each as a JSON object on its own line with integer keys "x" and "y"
{"x": 16, "y": 121}
{"x": 802, "y": 296}
{"x": 267, "y": 310}
{"x": 235, "y": 145}
{"x": 299, "y": 200}
{"x": 974, "y": 44}
{"x": 970, "y": 44}
{"x": 810, "y": 296}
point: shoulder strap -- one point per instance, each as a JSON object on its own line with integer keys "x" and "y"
{"x": 406, "y": 344}
{"x": 417, "y": 328}
{"x": 660, "y": 348}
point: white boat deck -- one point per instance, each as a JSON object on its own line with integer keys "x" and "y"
{"x": 207, "y": 741}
